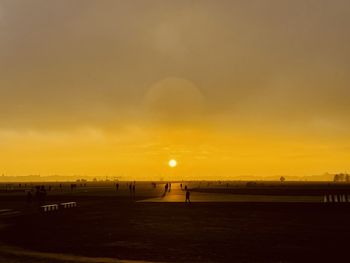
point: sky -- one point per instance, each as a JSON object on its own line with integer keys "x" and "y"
{"x": 227, "y": 88}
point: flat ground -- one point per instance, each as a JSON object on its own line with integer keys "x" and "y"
{"x": 110, "y": 225}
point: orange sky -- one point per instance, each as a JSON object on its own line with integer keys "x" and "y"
{"x": 228, "y": 89}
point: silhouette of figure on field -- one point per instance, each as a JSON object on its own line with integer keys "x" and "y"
{"x": 166, "y": 187}
{"x": 73, "y": 187}
{"x": 188, "y": 196}
{"x": 40, "y": 193}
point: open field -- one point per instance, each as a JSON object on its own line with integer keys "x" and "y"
{"x": 108, "y": 225}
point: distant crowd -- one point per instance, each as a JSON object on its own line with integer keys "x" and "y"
{"x": 39, "y": 193}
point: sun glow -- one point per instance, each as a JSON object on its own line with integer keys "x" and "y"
{"x": 172, "y": 163}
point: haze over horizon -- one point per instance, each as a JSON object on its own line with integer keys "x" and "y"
{"x": 226, "y": 88}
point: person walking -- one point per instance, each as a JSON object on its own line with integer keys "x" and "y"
{"x": 188, "y": 197}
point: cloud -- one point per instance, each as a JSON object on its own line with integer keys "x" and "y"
{"x": 173, "y": 100}
{"x": 171, "y": 73}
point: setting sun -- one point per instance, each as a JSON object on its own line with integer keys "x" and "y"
{"x": 172, "y": 163}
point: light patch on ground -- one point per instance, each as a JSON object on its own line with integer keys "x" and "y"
{"x": 58, "y": 257}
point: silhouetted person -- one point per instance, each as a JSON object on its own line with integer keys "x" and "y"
{"x": 40, "y": 193}
{"x": 43, "y": 193}
{"x": 130, "y": 188}
{"x": 165, "y": 190}
{"x": 73, "y": 186}
{"x": 181, "y": 186}
{"x": 188, "y": 196}
{"x": 134, "y": 189}
{"x": 117, "y": 187}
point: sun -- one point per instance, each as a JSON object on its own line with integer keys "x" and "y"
{"x": 172, "y": 163}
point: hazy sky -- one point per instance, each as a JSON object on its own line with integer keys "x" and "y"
{"x": 228, "y": 88}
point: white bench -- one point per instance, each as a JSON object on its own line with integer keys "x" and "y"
{"x": 336, "y": 198}
{"x": 68, "y": 205}
{"x": 48, "y": 208}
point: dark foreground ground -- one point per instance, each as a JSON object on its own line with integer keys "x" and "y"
{"x": 118, "y": 227}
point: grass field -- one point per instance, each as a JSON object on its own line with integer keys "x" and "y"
{"x": 110, "y": 225}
